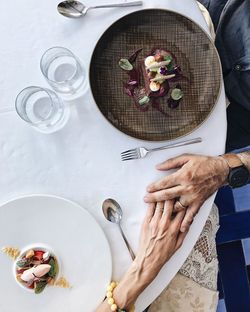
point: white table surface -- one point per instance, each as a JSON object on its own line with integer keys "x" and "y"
{"x": 82, "y": 161}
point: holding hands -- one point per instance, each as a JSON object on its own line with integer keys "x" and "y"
{"x": 197, "y": 178}
{"x": 173, "y": 202}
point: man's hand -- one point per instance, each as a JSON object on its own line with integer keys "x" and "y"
{"x": 198, "y": 177}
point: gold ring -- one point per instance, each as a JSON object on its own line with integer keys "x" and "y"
{"x": 184, "y": 207}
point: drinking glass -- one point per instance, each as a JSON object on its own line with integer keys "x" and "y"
{"x": 42, "y": 109}
{"x": 63, "y": 71}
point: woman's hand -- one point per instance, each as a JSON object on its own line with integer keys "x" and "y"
{"x": 198, "y": 177}
{"x": 160, "y": 238}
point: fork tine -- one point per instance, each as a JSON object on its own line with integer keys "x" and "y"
{"x": 128, "y": 151}
{"x": 129, "y": 154}
{"x": 128, "y": 158}
{"x": 132, "y": 156}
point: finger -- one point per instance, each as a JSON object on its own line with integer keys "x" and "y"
{"x": 185, "y": 200}
{"x": 178, "y": 207}
{"x": 182, "y": 202}
{"x": 189, "y": 217}
{"x": 163, "y": 195}
{"x": 158, "y": 211}
{"x": 176, "y": 222}
{"x": 173, "y": 163}
{"x": 167, "y": 213}
{"x": 150, "y": 212}
{"x": 166, "y": 182}
{"x": 180, "y": 240}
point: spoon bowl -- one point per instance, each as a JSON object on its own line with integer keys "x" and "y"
{"x": 112, "y": 210}
{"x": 113, "y": 213}
{"x": 72, "y": 9}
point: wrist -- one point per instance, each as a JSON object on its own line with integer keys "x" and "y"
{"x": 223, "y": 170}
{"x": 131, "y": 286}
{"x": 238, "y": 172}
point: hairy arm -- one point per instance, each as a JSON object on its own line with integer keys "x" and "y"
{"x": 197, "y": 178}
{"x": 245, "y": 158}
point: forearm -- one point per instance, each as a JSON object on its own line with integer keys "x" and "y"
{"x": 245, "y": 158}
{"x": 129, "y": 288}
{"x": 159, "y": 240}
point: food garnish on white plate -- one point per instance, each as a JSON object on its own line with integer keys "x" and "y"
{"x": 35, "y": 268}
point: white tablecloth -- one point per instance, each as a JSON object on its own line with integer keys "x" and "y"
{"x": 82, "y": 161}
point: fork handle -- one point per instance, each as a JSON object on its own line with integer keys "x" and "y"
{"x": 172, "y": 145}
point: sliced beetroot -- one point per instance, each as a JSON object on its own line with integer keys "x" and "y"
{"x": 134, "y": 56}
{"x": 128, "y": 90}
{"x": 173, "y": 103}
{"x": 133, "y": 75}
{"x": 164, "y": 89}
{"x": 129, "y": 87}
{"x": 132, "y": 83}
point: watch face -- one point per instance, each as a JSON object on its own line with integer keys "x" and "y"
{"x": 238, "y": 176}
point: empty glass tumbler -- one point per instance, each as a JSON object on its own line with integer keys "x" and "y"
{"x": 42, "y": 109}
{"x": 63, "y": 71}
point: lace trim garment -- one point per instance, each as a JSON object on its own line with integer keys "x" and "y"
{"x": 202, "y": 264}
{"x": 193, "y": 289}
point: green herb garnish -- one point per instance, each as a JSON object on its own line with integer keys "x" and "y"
{"x": 168, "y": 58}
{"x": 176, "y": 94}
{"x": 40, "y": 287}
{"x": 22, "y": 263}
{"x": 125, "y": 64}
{"x": 54, "y": 268}
{"x": 170, "y": 66}
{"x": 144, "y": 100}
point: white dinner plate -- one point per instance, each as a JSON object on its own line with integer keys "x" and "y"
{"x": 75, "y": 238}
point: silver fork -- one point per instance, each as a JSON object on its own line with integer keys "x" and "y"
{"x": 141, "y": 152}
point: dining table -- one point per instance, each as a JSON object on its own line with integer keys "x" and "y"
{"x": 82, "y": 162}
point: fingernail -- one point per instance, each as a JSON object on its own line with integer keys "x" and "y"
{"x": 183, "y": 229}
{"x": 149, "y": 188}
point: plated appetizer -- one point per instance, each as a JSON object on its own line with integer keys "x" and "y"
{"x": 36, "y": 268}
{"x": 157, "y": 76}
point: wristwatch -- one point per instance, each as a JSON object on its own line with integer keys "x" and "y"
{"x": 238, "y": 173}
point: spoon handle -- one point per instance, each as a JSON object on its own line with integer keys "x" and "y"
{"x": 127, "y": 243}
{"x": 118, "y": 5}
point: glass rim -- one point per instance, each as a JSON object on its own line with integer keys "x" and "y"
{"x": 47, "y": 91}
{"x": 72, "y": 54}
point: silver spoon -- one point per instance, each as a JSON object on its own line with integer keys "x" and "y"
{"x": 75, "y": 9}
{"x": 113, "y": 213}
